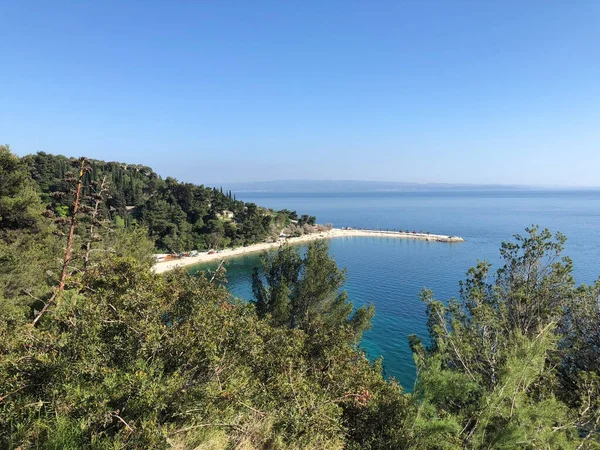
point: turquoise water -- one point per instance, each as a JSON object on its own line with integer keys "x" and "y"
{"x": 391, "y": 272}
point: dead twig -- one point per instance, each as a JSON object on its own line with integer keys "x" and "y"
{"x": 98, "y": 200}
{"x": 63, "y": 277}
{"x": 114, "y": 414}
{"x": 217, "y": 271}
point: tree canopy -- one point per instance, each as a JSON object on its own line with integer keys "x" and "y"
{"x": 178, "y": 216}
{"x": 305, "y": 292}
{"x": 500, "y": 369}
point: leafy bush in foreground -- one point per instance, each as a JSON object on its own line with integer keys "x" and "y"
{"x": 133, "y": 359}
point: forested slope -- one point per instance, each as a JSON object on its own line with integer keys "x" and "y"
{"x": 179, "y": 216}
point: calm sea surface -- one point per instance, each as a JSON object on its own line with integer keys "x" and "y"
{"x": 390, "y": 272}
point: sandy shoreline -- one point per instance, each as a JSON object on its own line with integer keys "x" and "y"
{"x": 333, "y": 233}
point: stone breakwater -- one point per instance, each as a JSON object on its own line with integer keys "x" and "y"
{"x": 333, "y": 233}
{"x": 399, "y": 234}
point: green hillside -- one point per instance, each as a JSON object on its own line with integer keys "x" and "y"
{"x": 179, "y": 216}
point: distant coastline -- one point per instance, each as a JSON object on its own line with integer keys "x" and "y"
{"x": 358, "y": 186}
{"x": 206, "y": 257}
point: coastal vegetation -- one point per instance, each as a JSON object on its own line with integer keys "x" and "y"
{"x": 178, "y": 216}
{"x": 97, "y": 351}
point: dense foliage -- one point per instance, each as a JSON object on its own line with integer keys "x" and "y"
{"x": 305, "y": 292}
{"x": 125, "y": 358}
{"x": 179, "y": 216}
{"x": 515, "y": 362}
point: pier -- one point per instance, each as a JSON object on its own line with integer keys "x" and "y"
{"x": 397, "y": 234}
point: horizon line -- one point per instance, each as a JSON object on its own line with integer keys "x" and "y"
{"x": 417, "y": 183}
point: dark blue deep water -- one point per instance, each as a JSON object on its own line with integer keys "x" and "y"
{"x": 391, "y": 272}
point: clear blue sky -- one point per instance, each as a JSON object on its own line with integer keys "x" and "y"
{"x": 428, "y": 91}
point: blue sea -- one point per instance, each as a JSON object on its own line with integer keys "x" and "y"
{"x": 390, "y": 273}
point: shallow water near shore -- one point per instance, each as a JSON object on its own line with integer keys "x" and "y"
{"x": 391, "y": 272}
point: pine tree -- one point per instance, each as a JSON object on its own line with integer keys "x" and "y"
{"x": 305, "y": 292}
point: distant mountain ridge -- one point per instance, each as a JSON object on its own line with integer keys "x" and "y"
{"x": 336, "y": 186}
